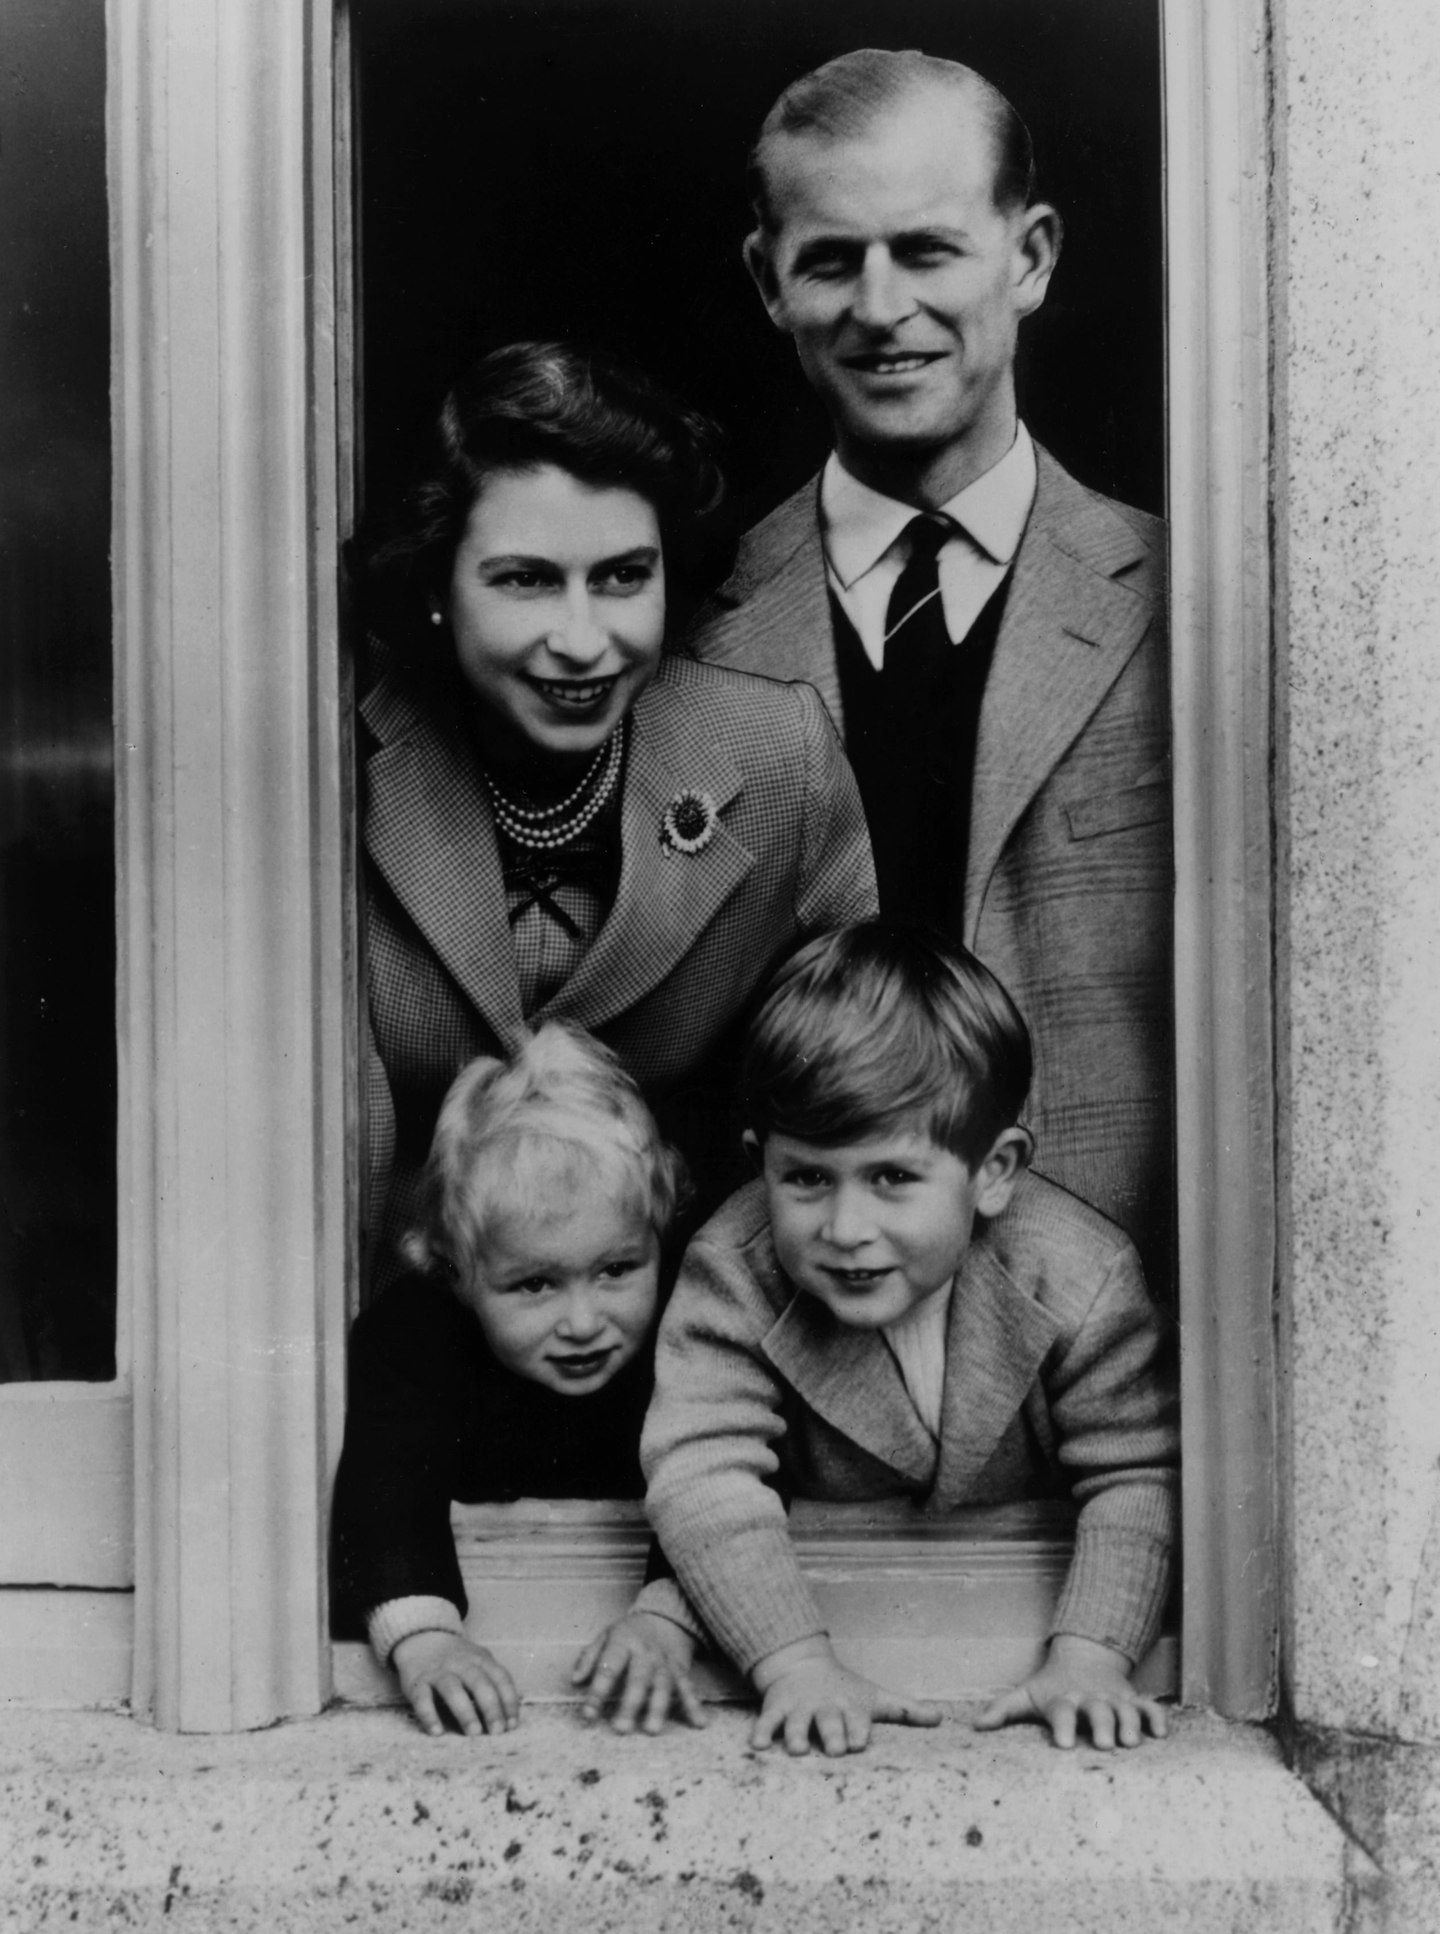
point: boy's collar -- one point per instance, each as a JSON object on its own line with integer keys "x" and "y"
{"x": 850, "y": 1378}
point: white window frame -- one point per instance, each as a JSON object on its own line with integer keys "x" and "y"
{"x": 239, "y": 1121}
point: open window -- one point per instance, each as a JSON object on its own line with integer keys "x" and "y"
{"x": 578, "y": 169}
{"x": 229, "y": 135}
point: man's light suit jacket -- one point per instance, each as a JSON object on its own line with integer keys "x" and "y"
{"x": 1058, "y": 1381}
{"x": 689, "y": 939}
{"x": 1068, "y": 885}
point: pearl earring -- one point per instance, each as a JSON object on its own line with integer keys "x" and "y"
{"x": 436, "y": 618}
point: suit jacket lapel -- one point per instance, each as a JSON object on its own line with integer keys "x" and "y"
{"x": 665, "y": 899}
{"x": 850, "y": 1378}
{"x": 428, "y": 829}
{"x": 1068, "y": 630}
{"x": 996, "y": 1340}
{"x": 778, "y": 603}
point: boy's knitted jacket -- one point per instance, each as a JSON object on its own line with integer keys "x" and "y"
{"x": 1059, "y": 1381}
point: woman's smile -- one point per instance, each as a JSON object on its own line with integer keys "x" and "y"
{"x": 573, "y": 694}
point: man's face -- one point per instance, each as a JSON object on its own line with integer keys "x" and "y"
{"x": 903, "y": 284}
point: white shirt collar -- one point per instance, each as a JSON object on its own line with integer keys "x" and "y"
{"x": 861, "y": 524}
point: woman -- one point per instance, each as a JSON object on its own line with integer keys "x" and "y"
{"x": 561, "y": 818}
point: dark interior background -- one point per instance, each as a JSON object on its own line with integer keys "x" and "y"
{"x": 57, "y": 822}
{"x": 577, "y": 167}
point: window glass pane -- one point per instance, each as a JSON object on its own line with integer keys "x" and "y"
{"x": 57, "y": 874}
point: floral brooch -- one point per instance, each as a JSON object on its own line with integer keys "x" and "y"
{"x": 690, "y": 821}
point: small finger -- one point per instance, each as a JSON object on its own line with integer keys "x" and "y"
{"x": 657, "y": 1705}
{"x": 763, "y": 1732}
{"x": 1128, "y": 1730}
{"x": 908, "y": 1712}
{"x": 832, "y": 1732}
{"x": 1155, "y": 1715}
{"x": 1062, "y": 1719}
{"x": 857, "y": 1731}
{"x": 422, "y": 1704}
{"x": 485, "y": 1699}
{"x": 797, "y": 1733}
{"x": 602, "y": 1684}
{"x": 587, "y": 1660}
{"x": 1100, "y": 1717}
{"x": 633, "y": 1697}
{"x": 507, "y": 1691}
{"x": 691, "y": 1703}
{"x": 453, "y": 1694}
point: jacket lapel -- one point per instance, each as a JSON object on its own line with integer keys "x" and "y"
{"x": 665, "y": 899}
{"x": 1069, "y": 628}
{"x": 996, "y": 1340}
{"x": 772, "y": 615}
{"x": 429, "y": 831}
{"x": 848, "y": 1377}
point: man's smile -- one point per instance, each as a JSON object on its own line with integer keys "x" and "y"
{"x": 891, "y": 362}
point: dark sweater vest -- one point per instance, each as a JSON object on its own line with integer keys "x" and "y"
{"x": 913, "y": 754}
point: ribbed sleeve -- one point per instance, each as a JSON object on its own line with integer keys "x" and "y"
{"x": 1119, "y": 1577}
{"x": 1113, "y": 1402}
{"x": 402, "y": 1618}
{"x": 709, "y": 1456}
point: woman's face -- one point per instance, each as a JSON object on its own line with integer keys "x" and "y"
{"x": 557, "y": 604}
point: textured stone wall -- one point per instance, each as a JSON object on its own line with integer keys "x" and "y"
{"x": 1356, "y": 286}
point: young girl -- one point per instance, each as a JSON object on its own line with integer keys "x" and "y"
{"x": 514, "y": 1359}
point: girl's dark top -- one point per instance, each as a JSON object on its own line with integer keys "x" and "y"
{"x": 433, "y": 1417}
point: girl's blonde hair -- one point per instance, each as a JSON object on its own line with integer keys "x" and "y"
{"x": 515, "y": 1137}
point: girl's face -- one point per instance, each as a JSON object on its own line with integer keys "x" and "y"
{"x": 568, "y": 1298}
{"x": 557, "y": 605}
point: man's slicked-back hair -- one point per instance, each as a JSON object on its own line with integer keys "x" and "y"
{"x": 843, "y": 99}
{"x": 876, "y": 1029}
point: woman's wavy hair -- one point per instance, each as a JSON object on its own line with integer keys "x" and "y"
{"x": 532, "y": 403}
{"x": 514, "y": 1138}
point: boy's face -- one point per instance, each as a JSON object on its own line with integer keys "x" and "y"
{"x": 872, "y": 1228}
{"x": 567, "y": 1299}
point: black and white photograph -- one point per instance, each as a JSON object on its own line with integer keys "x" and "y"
{"x": 717, "y": 956}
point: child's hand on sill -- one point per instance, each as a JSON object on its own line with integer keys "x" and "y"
{"x": 471, "y": 1685}
{"x": 643, "y": 1662}
{"x": 1080, "y": 1679}
{"x": 804, "y": 1688}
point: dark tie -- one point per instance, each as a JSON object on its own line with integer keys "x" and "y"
{"x": 904, "y": 800}
{"x": 916, "y": 641}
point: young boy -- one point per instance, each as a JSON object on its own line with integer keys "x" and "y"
{"x": 897, "y": 1307}
{"x": 514, "y": 1360}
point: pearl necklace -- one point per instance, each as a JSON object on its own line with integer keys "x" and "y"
{"x": 542, "y": 828}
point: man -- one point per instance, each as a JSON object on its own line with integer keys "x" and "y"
{"x": 987, "y": 633}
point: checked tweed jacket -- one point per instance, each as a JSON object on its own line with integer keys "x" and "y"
{"x": 1068, "y": 881}
{"x": 1058, "y": 1382}
{"x": 688, "y": 942}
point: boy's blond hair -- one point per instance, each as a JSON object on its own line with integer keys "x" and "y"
{"x": 515, "y": 1137}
